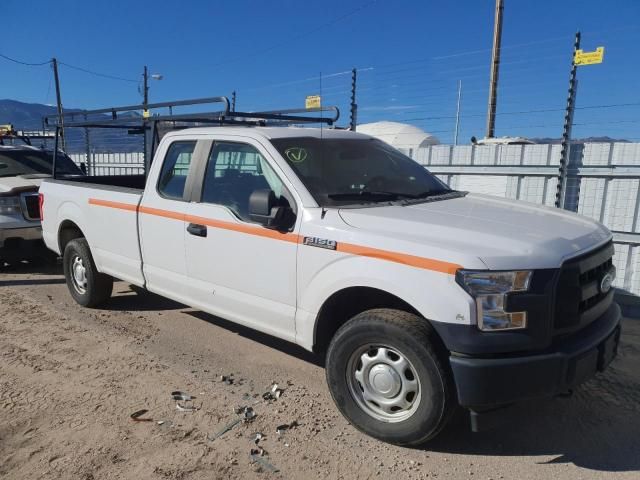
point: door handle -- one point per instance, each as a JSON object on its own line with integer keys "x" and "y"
{"x": 197, "y": 230}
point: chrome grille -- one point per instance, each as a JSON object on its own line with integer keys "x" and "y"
{"x": 579, "y": 297}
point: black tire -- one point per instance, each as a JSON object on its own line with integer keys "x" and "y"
{"x": 98, "y": 286}
{"x": 413, "y": 338}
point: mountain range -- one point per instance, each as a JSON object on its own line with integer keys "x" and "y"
{"x": 28, "y": 117}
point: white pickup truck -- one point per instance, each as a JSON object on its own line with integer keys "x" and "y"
{"x": 421, "y": 298}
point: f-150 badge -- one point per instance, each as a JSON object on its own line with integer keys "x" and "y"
{"x": 321, "y": 243}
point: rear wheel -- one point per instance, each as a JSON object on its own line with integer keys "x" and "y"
{"x": 87, "y": 286}
{"x": 388, "y": 378}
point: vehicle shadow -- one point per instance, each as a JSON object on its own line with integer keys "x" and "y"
{"x": 15, "y": 271}
{"x": 554, "y": 428}
{"x": 285, "y": 347}
{"x": 17, "y": 282}
{"x": 135, "y": 299}
{"x": 596, "y": 428}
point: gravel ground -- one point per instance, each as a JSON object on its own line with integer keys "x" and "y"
{"x": 71, "y": 377}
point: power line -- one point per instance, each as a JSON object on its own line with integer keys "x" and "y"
{"x": 98, "y": 74}
{"x": 28, "y": 64}
{"x": 303, "y": 80}
{"x": 302, "y": 35}
{"x": 548, "y": 110}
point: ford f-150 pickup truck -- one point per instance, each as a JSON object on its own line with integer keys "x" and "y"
{"x": 22, "y": 168}
{"x": 421, "y": 298}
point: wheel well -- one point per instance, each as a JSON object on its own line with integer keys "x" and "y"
{"x": 68, "y": 231}
{"x": 347, "y": 303}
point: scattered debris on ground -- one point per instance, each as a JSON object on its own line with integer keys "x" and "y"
{"x": 228, "y": 379}
{"x": 136, "y": 416}
{"x": 280, "y": 429}
{"x": 225, "y": 429}
{"x": 274, "y": 393}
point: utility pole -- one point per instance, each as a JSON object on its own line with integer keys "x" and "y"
{"x": 568, "y": 123}
{"x": 455, "y": 135}
{"x": 354, "y": 105}
{"x": 145, "y": 92}
{"x": 54, "y": 63}
{"x": 145, "y": 115}
{"x": 495, "y": 64}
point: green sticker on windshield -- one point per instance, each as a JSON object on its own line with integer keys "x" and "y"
{"x": 296, "y": 154}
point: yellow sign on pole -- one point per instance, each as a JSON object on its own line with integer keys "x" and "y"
{"x": 312, "y": 101}
{"x": 589, "y": 58}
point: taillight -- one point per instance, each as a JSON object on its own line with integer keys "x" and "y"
{"x": 41, "y": 205}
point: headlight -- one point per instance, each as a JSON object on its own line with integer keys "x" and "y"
{"x": 9, "y": 205}
{"x": 489, "y": 290}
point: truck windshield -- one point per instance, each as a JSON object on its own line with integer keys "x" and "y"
{"x": 341, "y": 171}
{"x": 30, "y": 162}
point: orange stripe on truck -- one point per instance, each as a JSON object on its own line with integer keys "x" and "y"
{"x": 349, "y": 248}
{"x": 403, "y": 258}
{"x": 118, "y": 205}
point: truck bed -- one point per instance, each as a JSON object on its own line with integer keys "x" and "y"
{"x": 90, "y": 204}
{"x": 136, "y": 182}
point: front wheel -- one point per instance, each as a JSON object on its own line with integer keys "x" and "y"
{"x": 388, "y": 378}
{"x": 87, "y": 286}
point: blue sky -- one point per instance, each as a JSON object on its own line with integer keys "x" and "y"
{"x": 410, "y": 56}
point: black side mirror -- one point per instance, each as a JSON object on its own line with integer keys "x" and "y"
{"x": 264, "y": 209}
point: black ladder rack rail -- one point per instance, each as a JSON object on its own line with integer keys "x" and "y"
{"x": 223, "y": 117}
{"x": 142, "y": 125}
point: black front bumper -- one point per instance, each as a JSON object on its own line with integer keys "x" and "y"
{"x": 488, "y": 381}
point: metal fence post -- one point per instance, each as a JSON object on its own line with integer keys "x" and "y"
{"x": 568, "y": 123}
{"x": 353, "y": 106}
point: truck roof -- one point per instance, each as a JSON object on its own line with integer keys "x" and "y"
{"x": 272, "y": 132}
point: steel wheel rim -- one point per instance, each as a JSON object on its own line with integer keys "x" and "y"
{"x": 384, "y": 383}
{"x": 78, "y": 275}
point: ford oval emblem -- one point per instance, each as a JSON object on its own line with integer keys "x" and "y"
{"x": 605, "y": 283}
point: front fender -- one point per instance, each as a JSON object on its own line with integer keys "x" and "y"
{"x": 435, "y": 295}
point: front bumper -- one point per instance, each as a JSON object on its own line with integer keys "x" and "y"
{"x": 490, "y": 381}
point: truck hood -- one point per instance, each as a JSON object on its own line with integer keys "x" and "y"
{"x": 20, "y": 183}
{"x": 504, "y": 234}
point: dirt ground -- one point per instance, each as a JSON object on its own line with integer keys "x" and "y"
{"x": 71, "y": 377}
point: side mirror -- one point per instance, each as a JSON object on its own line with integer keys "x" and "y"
{"x": 263, "y": 209}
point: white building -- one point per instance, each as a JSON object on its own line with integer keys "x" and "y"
{"x": 399, "y": 135}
